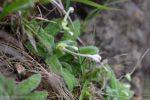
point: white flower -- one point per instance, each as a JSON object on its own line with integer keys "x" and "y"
{"x": 74, "y": 47}
{"x": 97, "y": 58}
{"x": 71, "y": 10}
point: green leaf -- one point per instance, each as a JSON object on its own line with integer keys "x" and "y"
{"x": 36, "y": 95}
{"x": 18, "y": 5}
{"x": 54, "y": 64}
{"x": 89, "y": 50}
{"x": 10, "y": 86}
{"x": 1, "y": 79}
{"x": 94, "y": 4}
{"x": 44, "y": 2}
{"x": 1, "y": 84}
{"x": 124, "y": 89}
{"x": 67, "y": 66}
{"x": 50, "y": 40}
{"x": 117, "y": 88}
{"x": 47, "y": 39}
{"x": 66, "y": 57}
{"x": 76, "y": 66}
{"x": 59, "y": 54}
{"x": 56, "y": 67}
{"x": 67, "y": 35}
{"x": 31, "y": 38}
{"x": 83, "y": 92}
{"x": 67, "y": 5}
{"x": 28, "y": 85}
{"x": 53, "y": 28}
{"x": 94, "y": 74}
{"x": 114, "y": 83}
{"x": 40, "y": 49}
{"x": 69, "y": 79}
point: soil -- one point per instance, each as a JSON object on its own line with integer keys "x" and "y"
{"x": 123, "y": 37}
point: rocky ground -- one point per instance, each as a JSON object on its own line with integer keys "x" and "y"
{"x": 123, "y": 37}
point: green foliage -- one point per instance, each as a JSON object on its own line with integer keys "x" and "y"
{"x": 44, "y": 41}
{"x": 119, "y": 90}
{"x": 37, "y": 95}
{"x": 89, "y": 18}
{"x": 47, "y": 39}
{"x": 19, "y": 5}
{"x": 56, "y": 67}
{"x": 9, "y": 90}
{"x": 88, "y": 2}
{"x": 31, "y": 37}
{"x": 69, "y": 79}
{"x": 66, "y": 57}
{"x": 89, "y": 50}
{"x": 95, "y": 12}
{"x": 67, "y": 66}
{"x": 113, "y": 89}
{"x": 40, "y": 49}
{"x": 67, "y": 5}
{"x": 54, "y": 64}
{"x": 28, "y": 85}
{"x": 53, "y": 28}
{"x": 84, "y": 92}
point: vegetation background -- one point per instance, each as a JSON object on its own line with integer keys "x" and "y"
{"x": 125, "y": 32}
{"x": 30, "y": 46}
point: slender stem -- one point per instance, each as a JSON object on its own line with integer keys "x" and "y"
{"x": 67, "y": 14}
{"x": 82, "y": 55}
{"x": 104, "y": 67}
{"x": 64, "y": 12}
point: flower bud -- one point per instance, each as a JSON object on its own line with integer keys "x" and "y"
{"x": 97, "y": 58}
